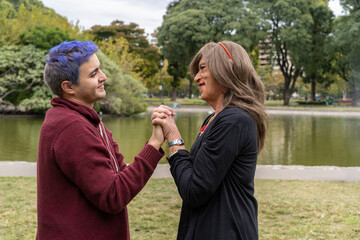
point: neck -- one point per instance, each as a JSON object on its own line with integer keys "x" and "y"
{"x": 78, "y": 101}
{"x": 217, "y": 105}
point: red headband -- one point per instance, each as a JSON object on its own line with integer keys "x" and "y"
{"x": 227, "y": 51}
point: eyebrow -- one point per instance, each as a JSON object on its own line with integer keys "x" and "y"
{"x": 95, "y": 70}
{"x": 201, "y": 64}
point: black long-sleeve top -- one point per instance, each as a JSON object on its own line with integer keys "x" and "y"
{"x": 216, "y": 180}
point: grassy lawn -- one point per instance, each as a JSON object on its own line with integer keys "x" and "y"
{"x": 287, "y": 210}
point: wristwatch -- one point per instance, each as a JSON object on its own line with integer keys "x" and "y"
{"x": 178, "y": 141}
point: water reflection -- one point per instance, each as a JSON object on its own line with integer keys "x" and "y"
{"x": 19, "y": 138}
{"x": 291, "y": 140}
{"x": 312, "y": 141}
{"x": 131, "y": 133}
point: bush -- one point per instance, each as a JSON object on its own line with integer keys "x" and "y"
{"x": 125, "y": 94}
{"x": 311, "y": 102}
{"x": 36, "y": 105}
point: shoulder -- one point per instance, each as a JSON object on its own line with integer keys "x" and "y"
{"x": 232, "y": 121}
{"x": 235, "y": 116}
{"x": 58, "y": 119}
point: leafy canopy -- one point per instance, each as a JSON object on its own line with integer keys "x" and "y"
{"x": 136, "y": 45}
{"x": 21, "y": 69}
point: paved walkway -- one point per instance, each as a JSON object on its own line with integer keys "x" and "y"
{"x": 26, "y": 169}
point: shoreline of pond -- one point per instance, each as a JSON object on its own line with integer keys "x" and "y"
{"x": 197, "y": 108}
{"x": 269, "y": 172}
{"x": 274, "y": 110}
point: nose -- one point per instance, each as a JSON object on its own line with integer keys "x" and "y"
{"x": 197, "y": 77}
{"x": 102, "y": 77}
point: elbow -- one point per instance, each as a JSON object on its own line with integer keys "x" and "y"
{"x": 114, "y": 206}
{"x": 193, "y": 204}
{"x": 196, "y": 199}
{"x": 112, "y": 201}
{"x": 111, "y": 206}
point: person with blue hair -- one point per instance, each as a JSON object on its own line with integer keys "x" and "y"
{"x": 83, "y": 184}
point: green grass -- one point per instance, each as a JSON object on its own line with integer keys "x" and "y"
{"x": 287, "y": 210}
{"x": 157, "y": 101}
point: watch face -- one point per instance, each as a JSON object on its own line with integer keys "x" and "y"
{"x": 176, "y": 142}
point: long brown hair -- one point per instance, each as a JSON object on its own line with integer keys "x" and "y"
{"x": 231, "y": 67}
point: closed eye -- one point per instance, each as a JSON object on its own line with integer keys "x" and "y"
{"x": 93, "y": 73}
{"x": 202, "y": 67}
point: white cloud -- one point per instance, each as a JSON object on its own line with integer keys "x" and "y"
{"x": 335, "y": 6}
{"x": 147, "y": 14}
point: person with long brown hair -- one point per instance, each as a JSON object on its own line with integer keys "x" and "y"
{"x": 216, "y": 178}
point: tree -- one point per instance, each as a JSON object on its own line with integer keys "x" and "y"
{"x": 189, "y": 24}
{"x": 28, "y": 23}
{"x": 15, "y": 4}
{"x": 181, "y": 35}
{"x": 6, "y": 23}
{"x": 351, "y": 6}
{"x": 44, "y": 37}
{"x": 315, "y": 59}
{"x": 124, "y": 94}
{"x": 352, "y": 22}
{"x": 288, "y": 36}
{"x": 162, "y": 78}
{"x": 346, "y": 47}
{"x": 118, "y": 51}
{"x": 273, "y": 81}
{"x": 24, "y": 17}
{"x": 39, "y": 101}
{"x": 118, "y": 29}
{"x": 136, "y": 44}
{"x": 21, "y": 69}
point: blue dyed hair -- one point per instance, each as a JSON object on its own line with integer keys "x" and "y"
{"x": 63, "y": 63}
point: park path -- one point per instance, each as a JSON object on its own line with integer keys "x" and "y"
{"x": 318, "y": 173}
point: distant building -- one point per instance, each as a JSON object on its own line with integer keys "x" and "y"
{"x": 152, "y": 39}
{"x": 265, "y": 53}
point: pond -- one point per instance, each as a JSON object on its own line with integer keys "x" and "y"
{"x": 291, "y": 140}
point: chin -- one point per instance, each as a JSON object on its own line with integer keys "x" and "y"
{"x": 99, "y": 97}
{"x": 102, "y": 94}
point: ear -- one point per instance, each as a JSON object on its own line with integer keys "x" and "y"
{"x": 223, "y": 88}
{"x": 67, "y": 87}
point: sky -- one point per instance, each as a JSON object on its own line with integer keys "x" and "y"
{"x": 148, "y": 14}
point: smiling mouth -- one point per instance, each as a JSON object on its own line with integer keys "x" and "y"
{"x": 201, "y": 84}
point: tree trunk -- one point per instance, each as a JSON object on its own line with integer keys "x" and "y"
{"x": 287, "y": 96}
{"x": 356, "y": 91}
{"x": 356, "y": 95}
{"x": 191, "y": 80}
{"x": 173, "y": 95}
{"x": 313, "y": 89}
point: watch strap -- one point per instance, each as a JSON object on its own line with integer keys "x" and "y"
{"x": 178, "y": 141}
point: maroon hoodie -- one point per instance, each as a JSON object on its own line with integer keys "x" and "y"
{"x": 83, "y": 185}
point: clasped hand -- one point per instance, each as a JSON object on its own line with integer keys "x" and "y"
{"x": 164, "y": 126}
